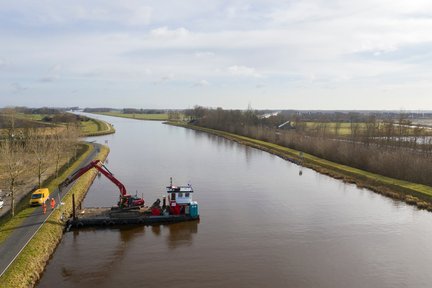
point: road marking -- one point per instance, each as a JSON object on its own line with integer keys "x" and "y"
{"x": 90, "y": 156}
{"x": 25, "y": 245}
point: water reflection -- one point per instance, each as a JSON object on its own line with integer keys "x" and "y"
{"x": 176, "y": 235}
{"x": 104, "y": 257}
{"x": 248, "y": 152}
{"x": 181, "y": 234}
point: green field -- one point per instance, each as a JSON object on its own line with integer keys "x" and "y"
{"x": 92, "y": 127}
{"x": 344, "y": 129}
{"x": 154, "y": 117}
{"x": 333, "y": 128}
{"x": 34, "y": 117}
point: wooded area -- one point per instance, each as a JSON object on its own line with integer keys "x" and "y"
{"x": 389, "y": 146}
{"x": 28, "y": 152}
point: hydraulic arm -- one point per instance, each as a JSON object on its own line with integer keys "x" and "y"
{"x": 126, "y": 200}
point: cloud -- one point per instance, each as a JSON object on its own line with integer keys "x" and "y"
{"x": 243, "y": 71}
{"x": 233, "y": 12}
{"x": 5, "y": 63}
{"x": 260, "y": 86}
{"x": 120, "y": 13}
{"x": 53, "y": 74}
{"x": 48, "y": 79}
{"x": 140, "y": 16}
{"x": 302, "y": 11}
{"x": 163, "y": 79}
{"x": 201, "y": 83}
{"x": 204, "y": 54}
{"x": 348, "y": 44}
{"x": 165, "y": 32}
{"x": 18, "y": 88}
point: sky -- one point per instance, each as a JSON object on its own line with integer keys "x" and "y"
{"x": 311, "y": 54}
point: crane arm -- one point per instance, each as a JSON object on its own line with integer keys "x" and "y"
{"x": 97, "y": 164}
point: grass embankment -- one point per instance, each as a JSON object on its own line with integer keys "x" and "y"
{"x": 95, "y": 127}
{"x": 412, "y": 193}
{"x": 28, "y": 266}
{"x": 154, "y": 117}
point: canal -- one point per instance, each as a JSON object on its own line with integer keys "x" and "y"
{"x": 262, "y": 224}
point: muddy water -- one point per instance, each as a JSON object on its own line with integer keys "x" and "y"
{"x": 262, "y": 225}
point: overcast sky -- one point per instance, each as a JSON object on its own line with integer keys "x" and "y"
{"x": 348, "y": 54}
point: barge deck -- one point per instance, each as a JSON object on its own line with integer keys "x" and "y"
{"x": 106, "y": 216}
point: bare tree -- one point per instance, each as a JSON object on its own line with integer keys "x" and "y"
{"x": 71, "y": 139}
{"x": 389, "y": 130}
{"x": 418, "y": 131}
{"x": 39, "y": 144}
{"x": 337, "y": 127}
{"x": 370, "y": 129}
{"x": 58, "y": 143}
{"x": 64, "y": 143}
{"x": 173, "y": 115}
{"x": 14, "y": 165}
{"x": 10, "y": 119}
{"x": 199, "y": 112}
{"x": 383, "y": 157}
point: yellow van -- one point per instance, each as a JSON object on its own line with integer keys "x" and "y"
{"x": 39, "y": 196}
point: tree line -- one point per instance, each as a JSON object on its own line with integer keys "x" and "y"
{"x": 391, "y": 147}
{"x": 27, "y": 153}
{"x": 126, "y": 110}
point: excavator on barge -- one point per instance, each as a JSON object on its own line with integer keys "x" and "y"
{"x": 126, "y": 201}
{"x": 177, "y": 206}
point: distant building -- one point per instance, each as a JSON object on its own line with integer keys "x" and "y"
{"x": 268, "y": 115}
{"x": 286, "y": 125}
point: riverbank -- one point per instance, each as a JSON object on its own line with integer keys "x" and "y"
{"x": 96, "y": 127}
{"x": 28, "y": 266}
{"x": 411, "y": 193}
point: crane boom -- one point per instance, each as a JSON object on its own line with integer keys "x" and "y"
{"x": 125, "y": 199}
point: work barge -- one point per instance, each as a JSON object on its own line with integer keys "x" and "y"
{"x": 177, "y": 206}
{"x": 106, "y": 217}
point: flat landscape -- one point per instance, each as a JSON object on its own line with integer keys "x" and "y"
{"x": 215, "y": 144}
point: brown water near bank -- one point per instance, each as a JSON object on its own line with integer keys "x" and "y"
{"x": 261, "y": 223}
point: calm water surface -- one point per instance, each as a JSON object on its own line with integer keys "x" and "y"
{"x": 261, "y": 223}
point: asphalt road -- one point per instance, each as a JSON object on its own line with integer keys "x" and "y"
{"x": 22, "y": 234}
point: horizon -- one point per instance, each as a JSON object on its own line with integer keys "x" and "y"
{"x": 241, "y": 109}
{"x": 300, "y": 55}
